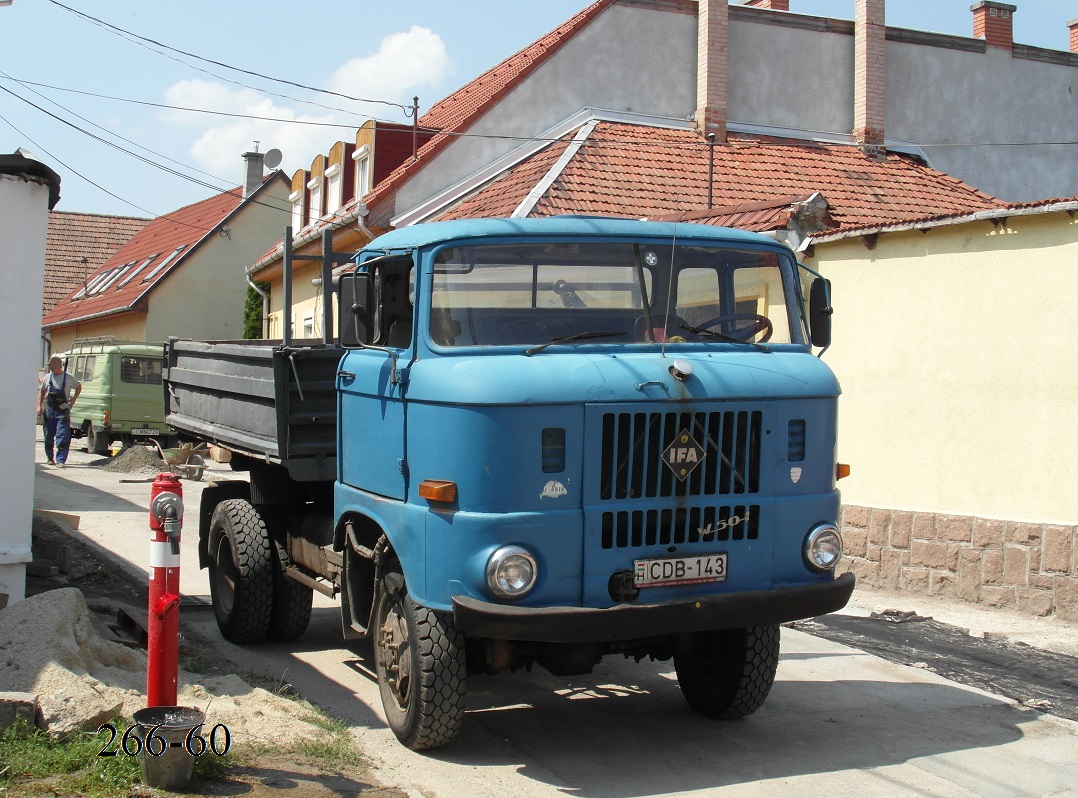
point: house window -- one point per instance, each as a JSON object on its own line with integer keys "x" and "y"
{"x": 308, "y": 324}
{"x": 333, "y": 188}
{"x": 296, "y": 198}
{"x": 141, "y": 266}
{"x": 314, "y": 206}
{"x": 168, "y": 259}
{"x": 362, "y": 158}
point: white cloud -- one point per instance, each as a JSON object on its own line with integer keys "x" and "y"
{"x": 404, "y": 63}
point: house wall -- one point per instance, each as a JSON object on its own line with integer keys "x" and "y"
{"x": 127, "y": 327}
{"x": 24, "y": 208}
{"x": 205, "y": 297}
{"x": 954, "y": 349}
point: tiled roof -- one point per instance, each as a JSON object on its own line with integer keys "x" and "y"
{"x": 76, "y": 245}
{"x": 161, "y": 237}
{"x": 460, "y": 109}
{"x": 639, "y": 171}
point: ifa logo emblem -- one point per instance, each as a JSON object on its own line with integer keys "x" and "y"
{"x": 683, "y": 455}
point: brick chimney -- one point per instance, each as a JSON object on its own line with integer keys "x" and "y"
{"x": 713, "y": 38}
{"x": 253, "y": 178}
{"x": 774, "y": 5}
{"x": 994, "y": 22}
{"x": 870, "y": 73}
{"x": 1073, "y": 25}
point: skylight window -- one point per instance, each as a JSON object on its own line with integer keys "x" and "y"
{"x": 116, "y": 275}
{"x": 88, "y": 289}
{"x": 168, "y": 259}
{"x": 141, "y": 266}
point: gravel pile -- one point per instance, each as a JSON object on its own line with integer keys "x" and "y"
{"x": 137, "y": 460}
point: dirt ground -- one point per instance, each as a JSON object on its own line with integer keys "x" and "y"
{"x": 267, "y": 776}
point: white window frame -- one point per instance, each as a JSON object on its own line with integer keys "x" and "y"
{"x": 314, "y": 203}
{"x": 334, "y": 198}
{"x": 362, "y": 157}
{"x": 296, "y": 198}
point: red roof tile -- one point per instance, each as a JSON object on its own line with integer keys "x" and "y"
{"x": 639, "y": 171}
{"x": 181, "y": 230}
{"x": 75, "y": 247}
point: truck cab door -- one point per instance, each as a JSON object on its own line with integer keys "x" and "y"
{"x": 371, "y": 387}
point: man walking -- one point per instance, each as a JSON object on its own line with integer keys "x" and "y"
{"x": 55, "y": 397}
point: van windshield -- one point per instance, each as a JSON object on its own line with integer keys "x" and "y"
{"x": 612, "y": 294}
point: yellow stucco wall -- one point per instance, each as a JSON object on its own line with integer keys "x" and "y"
{"x": 957, "y": 351}
{"x": 126, "y": 327}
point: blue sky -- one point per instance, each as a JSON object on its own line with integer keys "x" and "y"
{"x": 379, "y": 51}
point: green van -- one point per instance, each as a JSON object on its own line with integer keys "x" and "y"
{"x": 122, "y": 398}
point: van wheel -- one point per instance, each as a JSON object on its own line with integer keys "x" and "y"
{"x": 292, "y": 602}
{"x": 420, "y": 661}
{"x": 241, "y": 572}
{"x": 728, "y": 673}
{"x": 97, "y": 442}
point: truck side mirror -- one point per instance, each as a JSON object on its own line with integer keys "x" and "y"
{"x": 355, "y": 300}
{"x": 820, "y": 311}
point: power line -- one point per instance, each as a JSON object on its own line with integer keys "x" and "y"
{"x": 139, "y": 39}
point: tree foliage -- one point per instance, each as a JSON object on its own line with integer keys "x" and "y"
{"x": 252, "y": 312}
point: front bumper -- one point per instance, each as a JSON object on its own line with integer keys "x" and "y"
{"x": 634, "y": 621}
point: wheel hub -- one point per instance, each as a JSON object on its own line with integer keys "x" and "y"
{"x": 395, "y": 649}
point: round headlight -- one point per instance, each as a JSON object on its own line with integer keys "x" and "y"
{"x": 823, "y": 547}
{"x": 511, "y": 572}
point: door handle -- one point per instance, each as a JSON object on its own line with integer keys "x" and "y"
{"x": 346, "y": 375}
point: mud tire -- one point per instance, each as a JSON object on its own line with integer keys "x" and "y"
{"x": 420, "y": 661}
{"x": 292, "y": 602}
{"x": 728, "y": 674}
{"x": 241, "y": 572}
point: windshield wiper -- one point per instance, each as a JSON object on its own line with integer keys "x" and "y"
{"x": 723, "y": 337}
{"x": 565, "y": 339}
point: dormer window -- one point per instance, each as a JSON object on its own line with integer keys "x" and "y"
{"x": 314, "y": 204}
{"x": 296, "y": 198}
{"x": 362, "y": 157}
{"x": 333, "y": 188}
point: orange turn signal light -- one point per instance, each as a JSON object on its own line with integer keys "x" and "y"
{"x": 842, "y": 470}
{"x": 438, "y": 490}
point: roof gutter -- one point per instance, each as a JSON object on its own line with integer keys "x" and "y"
{"x": 1069, "y": 206}
{"x": 314, "y": 233}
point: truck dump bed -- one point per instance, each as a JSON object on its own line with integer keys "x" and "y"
{"x": 258, "y": 398}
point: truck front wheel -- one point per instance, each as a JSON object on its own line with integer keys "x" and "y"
{"x": 241, "y": 571}
{"x": 728, "y": 673}
{"x": 420, "y": 661}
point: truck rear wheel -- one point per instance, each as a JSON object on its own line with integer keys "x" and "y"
{"x": 420, "y": 661}
{"x": 728, "y": 673}
{"x": 97, "y": 441}
{"x": 292, "y": 601}
{"x": 241, "y": 572}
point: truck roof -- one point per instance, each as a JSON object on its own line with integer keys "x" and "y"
{"x": 421, "y": 235}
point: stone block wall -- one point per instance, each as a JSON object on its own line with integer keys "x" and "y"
{"x": 1028, "y": 567}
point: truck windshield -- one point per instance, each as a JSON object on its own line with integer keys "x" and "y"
{"x": 613, "y": 294}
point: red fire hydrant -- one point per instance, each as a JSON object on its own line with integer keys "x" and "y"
{"x": 163, "y": 628}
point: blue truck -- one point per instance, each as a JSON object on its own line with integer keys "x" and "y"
{"x": 531, "y": 441}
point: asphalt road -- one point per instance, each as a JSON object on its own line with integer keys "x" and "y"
{"x": 840, "y": 720}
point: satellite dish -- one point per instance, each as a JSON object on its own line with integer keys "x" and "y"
{"x": 272, "y": 159}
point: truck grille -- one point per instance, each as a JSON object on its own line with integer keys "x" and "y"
{"x": 633, "y": 443}
{"x": 641, "y": 528}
